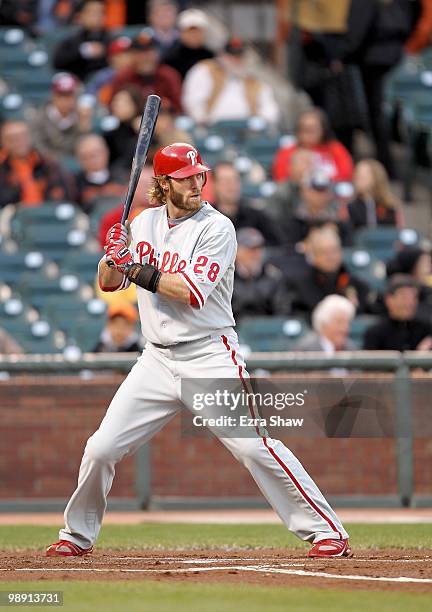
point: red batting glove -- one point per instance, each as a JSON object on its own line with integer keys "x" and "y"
{"x": 118, "y": 256}
{"x": 117, "y": 233}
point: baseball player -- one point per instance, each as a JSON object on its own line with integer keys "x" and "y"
{"x": 181, "y": 257}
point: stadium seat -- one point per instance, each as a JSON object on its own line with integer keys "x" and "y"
{"x": 53, "y": 241}
{"x": 363, "y": 264}
{"x": 83, "y": 263}
{"x": 382, "y": 240}
{"x": 358, "y": 327}
{"x": 12, "y": 107}
{"x": 38, "y": 287}
{"x": 69, "y": 312}
{"x": 12, "y": 265}
{"x": 271, "y": 333}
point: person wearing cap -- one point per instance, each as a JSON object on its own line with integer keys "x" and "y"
{"x": 258, "y": 286}
{"x": 58, "y": 125}
{"x": 120, "y": 57}
{"x": 84, "y": 52}
{"x": 148, "y": 73}
{"x": 180, "y": 256}
{"x": 324, "y": 273}
{"x": 190, "y": 47}
{"x": 27, "y": 176}
{"x": 316, "y": 206}
{"x": 226, "y": 88}
{"x": 120, "y": 333}
{"x": 400, "y": 329}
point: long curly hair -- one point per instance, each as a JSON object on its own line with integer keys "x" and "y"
{"x": 156, "y": 194}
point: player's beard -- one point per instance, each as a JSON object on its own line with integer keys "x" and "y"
{"x": 182, "y": 202}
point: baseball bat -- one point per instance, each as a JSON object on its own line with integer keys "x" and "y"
{"x": 147, "y": 126}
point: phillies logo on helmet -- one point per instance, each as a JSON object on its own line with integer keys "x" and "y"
{"x": 192, "y": 155}
{"x": 178, "y": 160}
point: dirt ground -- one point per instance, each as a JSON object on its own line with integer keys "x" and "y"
{"x": 383, "y": 570}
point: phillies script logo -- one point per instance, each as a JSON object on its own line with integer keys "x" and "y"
{"x": 170, "y": 262}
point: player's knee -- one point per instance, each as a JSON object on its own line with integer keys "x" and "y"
{"x": 245, "y": 449}
{"x": 101, "y": 450}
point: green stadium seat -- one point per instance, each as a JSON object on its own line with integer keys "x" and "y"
{"x": 100, "y": 208}
{"x": 86, "y": 332}
{"x": 82, "y": 263}
{"x": 11, "y": 37}
{"x": 53, "y": 241}
{"x": 358, "y": 327}
{"x": 39, "y": 337}
{"x": 364, "y": 265}
{"x": 12, "y": 107}
{"x": 62, "y": 214}
{"x": 270, "y": 333}
{"x": 38, "y": 288}
{"x": 382, "y": 240}
{"x": 68, "y": 313}
{"x": 12, "y": 265}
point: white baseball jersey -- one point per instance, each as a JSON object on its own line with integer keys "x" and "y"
{"x": 202, "y": 249}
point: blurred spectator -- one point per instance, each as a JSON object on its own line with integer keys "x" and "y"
{"x": 96, "y": 179}
{"x": 139, "y": 203}
{"x": 377, "y": 32}
{"x": 127, "y": 106}
{"x": 229, "y": 201}
{"x": 325, "y": 274}
{"x": 120, "y": 334}
{"x": 374, "y": 203}
{"x": 57, "y": 126}
{"x": 8, "y": 345}
{"x": 313, "y": 134}
{"x": 316, "y": 206}
{"x": 400, "y": 329}
{"x": 120, "y": 57}
{"x": 331, "y": 320}
{"x": 148, "y": 73}
{"x": 20, "y": 13}
{"x": 84, "y": 52}
{"x": 226, "y": 88}
{"x": 421, "y": 37}
{"x": 28, "y": 177}
{"x": 162, "y": 17}
{"x": 258, "y": 287}
{"x": 418, "y": 264}
{"x": 190, "y": 48}
{"x": 166, "y": 131}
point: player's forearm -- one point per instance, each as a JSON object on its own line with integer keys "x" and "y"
{"x": 109, "y": 278}
{"x": 173, "y": 287}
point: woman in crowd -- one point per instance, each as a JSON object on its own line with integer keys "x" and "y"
{"x": 374, "y": 203}
{"x": 313, "y": 134}
{"x": 126, "y": 105}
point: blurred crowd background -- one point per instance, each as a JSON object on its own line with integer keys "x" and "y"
{"x": 315, "y": 117}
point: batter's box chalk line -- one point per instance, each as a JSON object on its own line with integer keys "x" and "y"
{"x": 242, "y": 568}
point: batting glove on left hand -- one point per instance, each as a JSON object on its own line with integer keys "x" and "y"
{"x": 118, "y": 256}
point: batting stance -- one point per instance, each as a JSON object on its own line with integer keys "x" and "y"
{"x": 181, "y": 257}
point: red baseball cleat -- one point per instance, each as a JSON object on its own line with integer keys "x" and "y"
{"x": 331, "y": 548}
{"x": 64, "y": 548}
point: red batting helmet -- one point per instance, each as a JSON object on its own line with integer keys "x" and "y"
{"x": 178, "y": 160}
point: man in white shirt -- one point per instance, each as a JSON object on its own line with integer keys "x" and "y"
{"x": 225, "y": 88}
